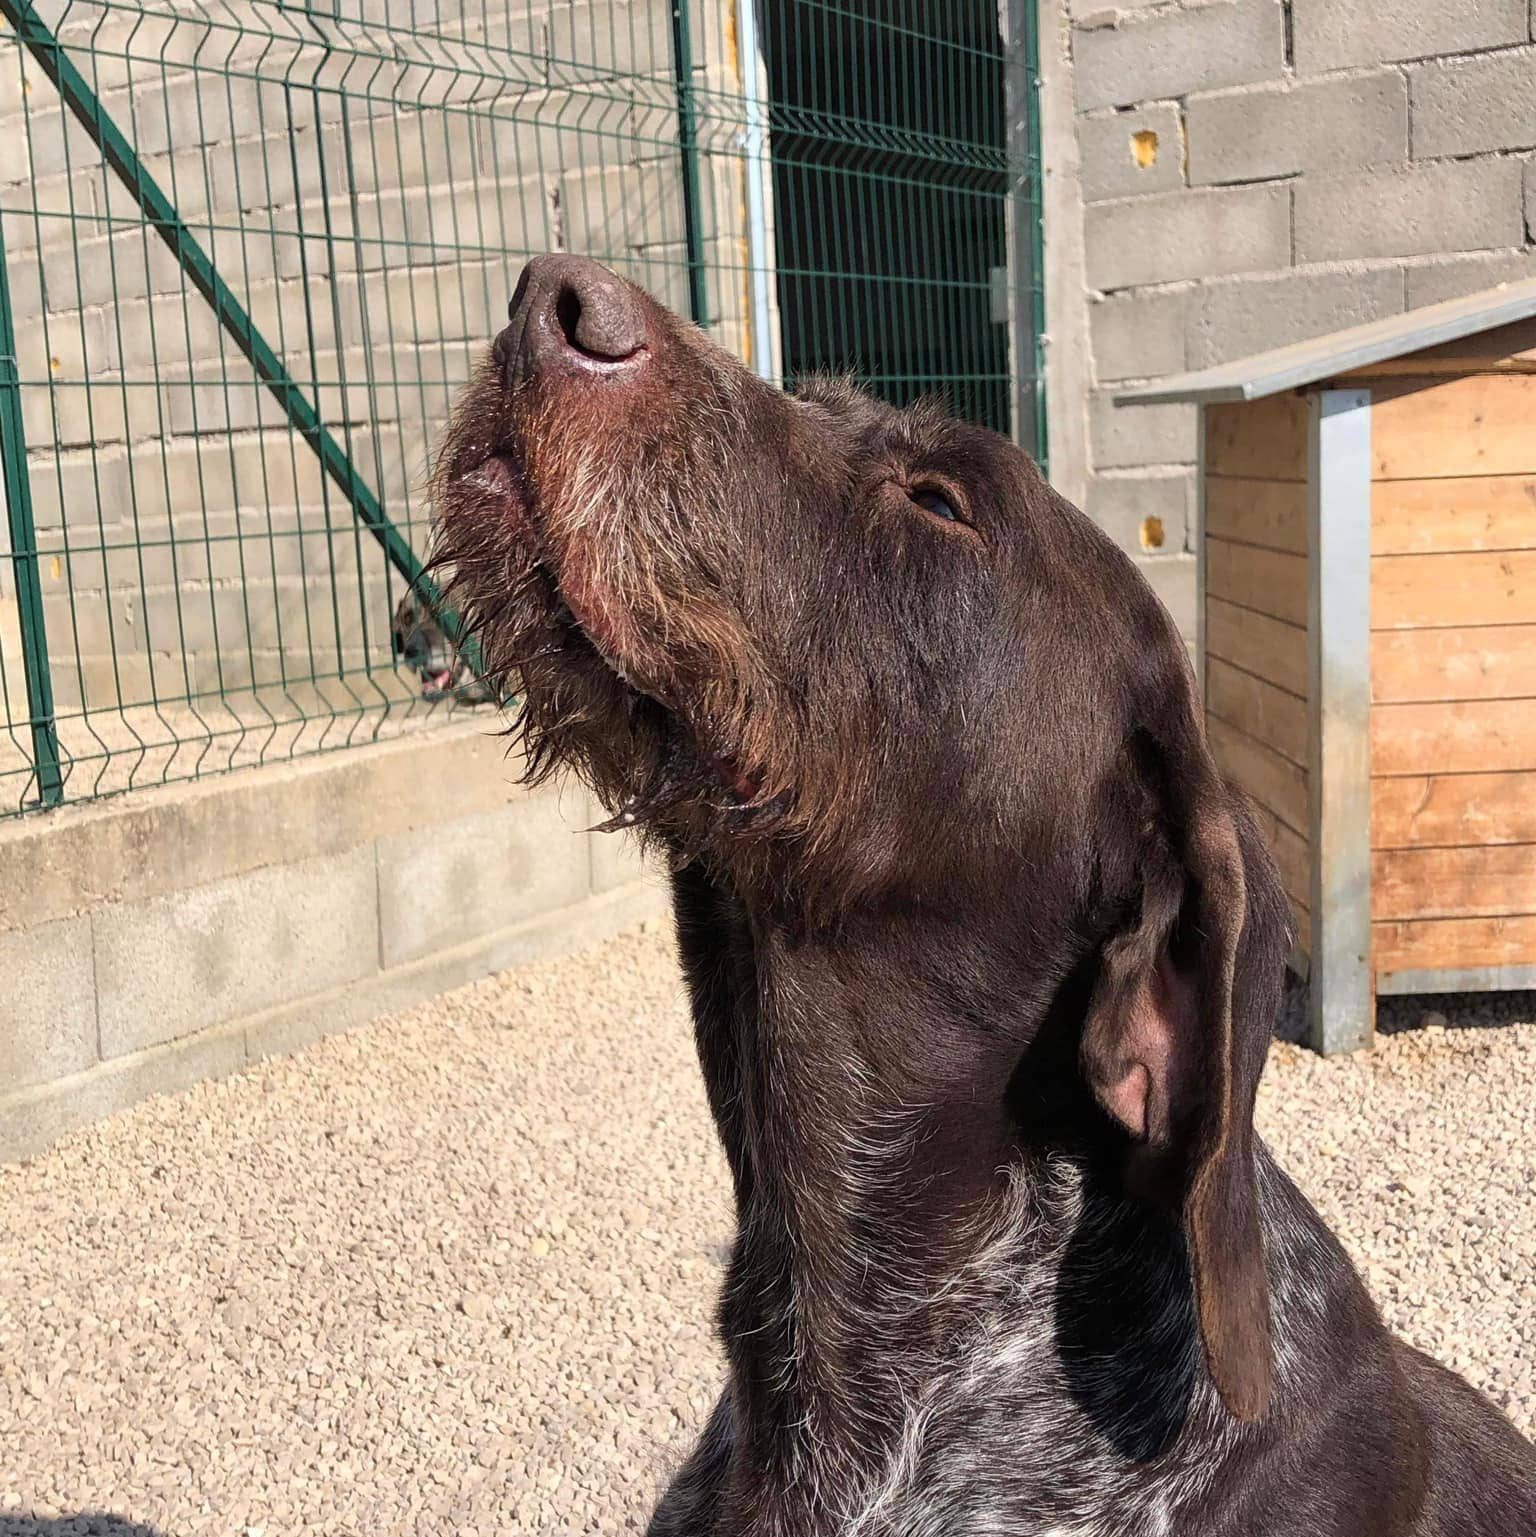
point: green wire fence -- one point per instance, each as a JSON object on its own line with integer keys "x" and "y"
{"x": 250, "y": 250}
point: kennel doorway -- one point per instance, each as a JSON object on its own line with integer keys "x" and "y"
{"x": 894, "y": 180}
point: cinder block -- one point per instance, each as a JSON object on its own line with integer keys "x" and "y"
{"x": 1130, "y": 153}
{"x": 1126, "y": 436}
{"x": 169, "y": 333}
{"x": 1468, "y": 106}
{"x": 1234, "y": 320}
{"x": 1187, "y": 235}
{"x": 615, "y": 210}
{"x": 1172, "y": 578}
{"x": 442, "y": 885}
{"x": 65, "y": 347}
{"x": 1138, "y": 336}
{"x": 1280, "y": 130}
{"x": 600, "y": 39}
{"x": 517, "y": 31}
{"x": 295, "y": 1025}
{"x": 37, "y": 1117}
{"x": 183, "y": 112}
{"x": 79, "y": 619}
{"x": 28, "y": 282}
{"x": 178, "y": 963}
{"x": 96, "y": 414}
{"x": 1332, "y": 33}
{"x": 48, "y": 1004}
{"x": 536, "y": 133}
{"x": 1231, "y": 42}
{"x": 69, "y": 203}
{"x": 1409, "y": 211}
{"x": 190, "y": 835}
{"x": 244, "y": 403}
{"x": 50, "y": 141}
{"x": 1137, "y": 510}
{"x": 1434, "y": 282}
{"x": 83, "y": 486}
{"x": 1530, "y": 198}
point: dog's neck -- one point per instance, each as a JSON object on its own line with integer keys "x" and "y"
{"x": 862, "y": 1094}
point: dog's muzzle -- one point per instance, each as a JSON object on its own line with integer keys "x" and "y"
{"x": 569, "y": 315}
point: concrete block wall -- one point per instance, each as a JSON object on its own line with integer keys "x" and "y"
{"x": 1225, "y": 176}
{"x": 372, "y": 217}
{"x": 158, "y": 938}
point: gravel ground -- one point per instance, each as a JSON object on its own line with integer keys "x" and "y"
{"x": 453, "y": 1273}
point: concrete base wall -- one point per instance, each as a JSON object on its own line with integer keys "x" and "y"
{"x": 156, "y": 939}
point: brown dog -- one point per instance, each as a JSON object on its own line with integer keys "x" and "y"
{"x": 984, "y": 960}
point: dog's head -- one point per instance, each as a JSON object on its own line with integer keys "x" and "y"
{"x": 868, "y": 657}
{"x": 419, "y": 643}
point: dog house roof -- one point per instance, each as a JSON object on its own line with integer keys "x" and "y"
{"x": 1323, "y": 357}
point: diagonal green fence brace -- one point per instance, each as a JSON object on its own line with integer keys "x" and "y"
{"x": 29, "y": 594}
{"x": 161, "y": 214}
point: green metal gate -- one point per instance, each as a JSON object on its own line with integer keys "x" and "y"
{"x": 249, "y": 251}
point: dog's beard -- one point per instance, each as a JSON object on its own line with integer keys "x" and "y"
{"x": 628, "y": 668}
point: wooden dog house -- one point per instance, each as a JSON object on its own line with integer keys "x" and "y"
{"x": 1367, "y": 641}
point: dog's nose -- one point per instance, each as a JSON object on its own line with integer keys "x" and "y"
{"x": 569, "y": 312}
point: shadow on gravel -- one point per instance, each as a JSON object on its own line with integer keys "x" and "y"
{"x": 1454, "y": 1011}
{"x": 92, "y": 1523}
{"x": 1416, "y": 1011}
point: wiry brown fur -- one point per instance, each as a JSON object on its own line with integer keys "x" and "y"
{"x": 983, "y": 959}
{"x": 771, "y": 755}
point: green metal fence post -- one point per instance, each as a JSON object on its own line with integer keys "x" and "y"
{"x": 688, "y": 149}
{"x": 1022, "y": 91}
{"x": 29, "y": 593}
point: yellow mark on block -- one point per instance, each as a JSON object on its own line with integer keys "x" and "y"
{"x": 1144, "y": 148}
{"x": 1151, "y": 533}
{"x": 54, "y": 364}
{"x": 56, "y": 570}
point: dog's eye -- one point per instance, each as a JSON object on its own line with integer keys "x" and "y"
{"x": 936, "y": 504}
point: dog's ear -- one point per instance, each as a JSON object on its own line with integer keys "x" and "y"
{"x": 1177, "y": 1030}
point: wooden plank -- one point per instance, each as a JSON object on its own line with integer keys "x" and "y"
{"x": 1487, "y": 880}
{"x": 1420, "y": 366}
{"x": 1303, "y": 927}
{"x": 1265, "y": 581}
{"x": 1467, "y": 736}
{"x": 1289, "y": 851}
{"x": 1459, "y": 512}
{"x": 1437, "y": 944}
{"x": 1475, "y": 425}
{"x": 1294, "y": 862}
{"x": 1504, "y": 349}
{"x": 1427, "y": 810}
{"x": 1268, "y": 648}
{"x": 1273, "y": 781}
{"x": 1428, "y": 591}
{"x": 1263, "y": 439}
{"x": 1271, "y": 513}
{"x": 1264, "y": 712}
{"x": 1486, "y": 662}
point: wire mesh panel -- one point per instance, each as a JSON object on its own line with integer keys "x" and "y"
{"x": 251, "y": 251}
{"x": 889, "y": 178}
